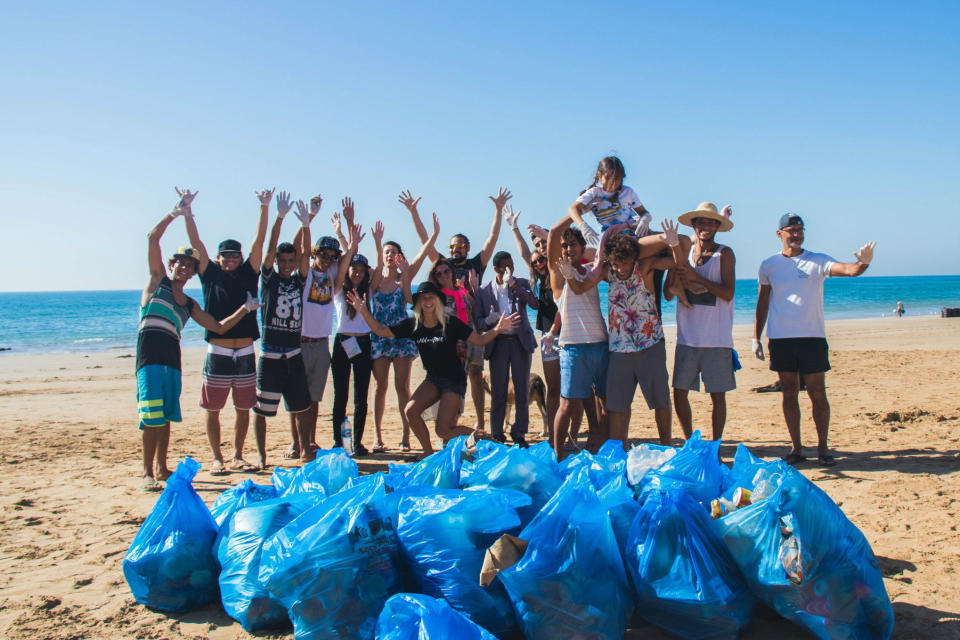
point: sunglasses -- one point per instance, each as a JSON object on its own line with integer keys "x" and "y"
{"x": 539, "y": 260}
{"x": 442, "y": 272}
{"x": 230, "y": 254}
{"x": 327, "y": 255}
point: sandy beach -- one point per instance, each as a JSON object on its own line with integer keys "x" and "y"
{"x": 70, "y": 456}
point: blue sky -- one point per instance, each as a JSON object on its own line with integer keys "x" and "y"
{"x": 848, "y": 113}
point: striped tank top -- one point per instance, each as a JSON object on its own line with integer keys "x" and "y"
{"x": 161, "y": 322}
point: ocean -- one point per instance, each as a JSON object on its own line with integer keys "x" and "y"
{"x": 36, "y": 322}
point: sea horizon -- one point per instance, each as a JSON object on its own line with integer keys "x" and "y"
{"x": 97, "y": 320}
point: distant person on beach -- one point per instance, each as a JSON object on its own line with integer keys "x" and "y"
{"x": 791, "y": 298}
{"x": 436, "y": 335}
{"x": 462, "y": 267}
{"x": 899, "y": 310}
{"x": 231, "y": 363}
{"x": 164, "y": 310}
{"x": 705, "y": 325}
{"x": 637, "y": 350}
{"x": 280, "y": 371}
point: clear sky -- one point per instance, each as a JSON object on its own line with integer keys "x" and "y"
{"x": 845, "y": 112}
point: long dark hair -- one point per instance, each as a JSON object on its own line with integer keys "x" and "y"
{"x": 610, "y": 164}
{"x": 441, "y": 261}
{"x": 361, "y": 290}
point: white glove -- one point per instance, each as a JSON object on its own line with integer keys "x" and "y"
{"x": 727, "y": 211}
{"x": 252, "y": 304}
{"x": 643, "y": 227}
{"x": 591, "y": 236}
{"x": 510, "y": 217}
{"x": 547, "y": 342}
{"x": 757, "y": 348}
{"x": 865, "y": 255}
{"x": 567, "y": 270}
{"x": 302, "y": 214}
{"x": 182, "y": 208}
{"x": 283, "y": 204}
{"x": 492, "y": 318}
{"x": 265, "y": 196}
{"x": 670, "y": 235}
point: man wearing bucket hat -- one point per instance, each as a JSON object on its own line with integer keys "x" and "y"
{"x": 230, "y": 365}
{"x": 790, "y": 304}
{"x": 705, "y": 325}
{"x": 164, "y": 310}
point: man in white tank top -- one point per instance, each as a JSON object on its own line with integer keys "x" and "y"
{"x": 707, "y": 273}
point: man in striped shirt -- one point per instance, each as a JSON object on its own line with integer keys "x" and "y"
{"x": 164, "y": 310}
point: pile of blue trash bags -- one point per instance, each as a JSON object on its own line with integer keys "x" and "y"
{"x": 490, "y": 541}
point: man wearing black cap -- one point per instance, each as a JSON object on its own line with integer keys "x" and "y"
{"x": 231, "y": 363}
{"x": 791, "y": 298}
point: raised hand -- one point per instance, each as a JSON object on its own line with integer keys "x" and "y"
{"x": 670, "y": 235}
{"x": 589, "y": 235}
{"x": 508, "y": 321}
{"x": 347, "y": 205}
{"x": 182, "y": 208}
{"x": 284, "y": 204}
{"x": 355, "y": 301}
{"x": 377, "y": 232}
{"x": 406, "y": 199}
{"x": 510, "y": 217}
{"x": 305, "y": 218}
{"x": 566, "y": 268}
{"x": 335, "y": 223}
{"x": 252, "y": 304}
{"x": 265, "y": 196}
{"x": 537, "y": 231}
{"x": 865, "y": 255}
{"x": 356, "y": 236}
{"x": 757, "y": 348}
{"x": 436, "y": 224}
{"x": 315, "y": 203}
{"x": 727, "y": 211}
{"x": 502, "y": 196}
{"x": 401, "y": 262}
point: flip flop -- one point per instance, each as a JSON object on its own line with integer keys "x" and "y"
{"x": 151, "y": 485}
{"x": 794, "y": 459}
{"x": 290, "y": 454}
{"x": 242, "y": 466}
{"x": 218, "y": 469}
{"x": 826, "y": 460}
{"x": 380, "y": 448}
{"x": 404, "y": 447}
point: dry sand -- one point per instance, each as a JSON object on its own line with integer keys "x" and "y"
{"x": 70, "y": 503}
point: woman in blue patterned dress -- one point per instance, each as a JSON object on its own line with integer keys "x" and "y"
{"x": 390, "y": 285}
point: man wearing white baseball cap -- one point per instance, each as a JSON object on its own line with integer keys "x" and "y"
{"x": 791, "y": 298}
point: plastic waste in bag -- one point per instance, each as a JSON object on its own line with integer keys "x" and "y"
{"x": 502, "y": 467}
{"x": 685, "y": 579}
{"x": 570, "y": 582}
{"x": 621, "y": 504}
{"x": 445, "y": 534}
{"x": 238, "y": 496}
{"x": 695, "y": 468}
{"x": 544, "y": 451}
{"x": 329, "y": 472}
{"x": 239, "y": 551}
{"x": 440, "y": 469}
{"x": 411, "y": 616}
{"x": 645, "y": 457}
{"x": 169, "y": 565}
{"x": 804, "y": 558}
{"x": 336, "y": 564}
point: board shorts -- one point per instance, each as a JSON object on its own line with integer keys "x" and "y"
{"x": 158, "y": 395}
{"x": 714, "y": 365}
{"x": 804, "y": 355}
{"x": 316, "y": 364}
{"x": 392, "y": 348}
{"x": 281, "y": 375}
{"x": 646, "y": 368}
{"x": 225, "y": 370}
{"x": 583, "y": 369}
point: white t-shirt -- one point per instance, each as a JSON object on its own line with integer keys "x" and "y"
{"x": 611, "y": 208}
{"x": 318, "y": 303}
{"x": 796, "y": 294}
{"x": 346, "y": 324}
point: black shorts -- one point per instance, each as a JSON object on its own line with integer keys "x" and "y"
{"x": 448, "y": 385}
{"x": 281, "y": 375}
{"x": 804, "y": 355}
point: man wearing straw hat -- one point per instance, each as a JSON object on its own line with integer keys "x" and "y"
{"x": 706, "y": 273}
{"x": 791, "y": 298}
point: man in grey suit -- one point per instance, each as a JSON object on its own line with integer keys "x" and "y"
{"x": 511, "y": 352}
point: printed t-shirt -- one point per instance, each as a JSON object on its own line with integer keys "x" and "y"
{"x": 281, "y": 313}
{"x": 610, "y": 208}
{"x": 224, "y": 292}
{"x": 161, "y": 322}
{"x": 633, "y": 321}
{"x": 437, "y": 346}
{"x": 318, "y": 303}
{"x": 796, "y": 294}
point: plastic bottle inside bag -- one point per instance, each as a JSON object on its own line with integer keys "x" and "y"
{"x": 346, "y": 434}
{"x": 765, "y": 482}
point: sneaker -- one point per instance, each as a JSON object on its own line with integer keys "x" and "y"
{"x": 521, "y": 442}
{"x": 360, "y": 451}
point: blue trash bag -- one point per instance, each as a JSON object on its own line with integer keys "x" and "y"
{"x": 444, "y": 536}
{"x": 804, "y": 558}
{"x": 544, "y": 451}
{"x": 440, "y": 469}
{"x": 239, "y": 551}
{"x": 500, "y": 467}
{"x": 335, "y": 565}
{"x": 645, "y": 457}
{"x": 411, "y": 616}
{"x": 329, "y": 472}
{"x": 169, "y": 565}
{"x": 570, "y": 582}
{"x": 621, "y": 504}
{"x": 602, "y": 467}
{"x": 238, "y": 496}
{"x": 685, "y": 579}
{"x": 695, "y": 468}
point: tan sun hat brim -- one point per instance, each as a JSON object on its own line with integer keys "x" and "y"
{"x": 687, "y": 218}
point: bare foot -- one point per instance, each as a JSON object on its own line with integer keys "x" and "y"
{"x": 241, "y": 465}
{"x": 163, "y": 473}
{"x": 262, "y": 461}
{"x": 292, "y": 453}
{"x": 306, "y": 457}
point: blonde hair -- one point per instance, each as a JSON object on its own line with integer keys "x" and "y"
{"x": 439, "y": 311}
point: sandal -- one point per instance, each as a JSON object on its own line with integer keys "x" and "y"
{"x": 405, "y": 447}
{"x": 218, "y": 469}
{"x": 380, "y": 448}
{"x": 150, "y": 485}
{"x": 291, "y": 454}
{"x": 826, "y": 460}
{"x": 793, "y": 459}
{"x": 242, "y": 466}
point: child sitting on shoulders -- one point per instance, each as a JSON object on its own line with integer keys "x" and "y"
{"x": 611, "y": 203}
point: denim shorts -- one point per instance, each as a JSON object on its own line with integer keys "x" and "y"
{"x": 583, "y": 369}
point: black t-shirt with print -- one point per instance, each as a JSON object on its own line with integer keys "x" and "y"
{"x": 460, "y": 269}
{"x": 281, "y": 313}
{"x": 224, "y": 292}
{"x": 437, "y": 347}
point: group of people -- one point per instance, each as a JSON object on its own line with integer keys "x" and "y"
{"x": 325, "y": 308}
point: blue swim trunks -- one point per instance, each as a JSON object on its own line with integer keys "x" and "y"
{"x": 158, "y": 395}
{"x": 583, "y": 369}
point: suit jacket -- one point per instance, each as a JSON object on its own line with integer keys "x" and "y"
{"x": 520, "y": 297}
